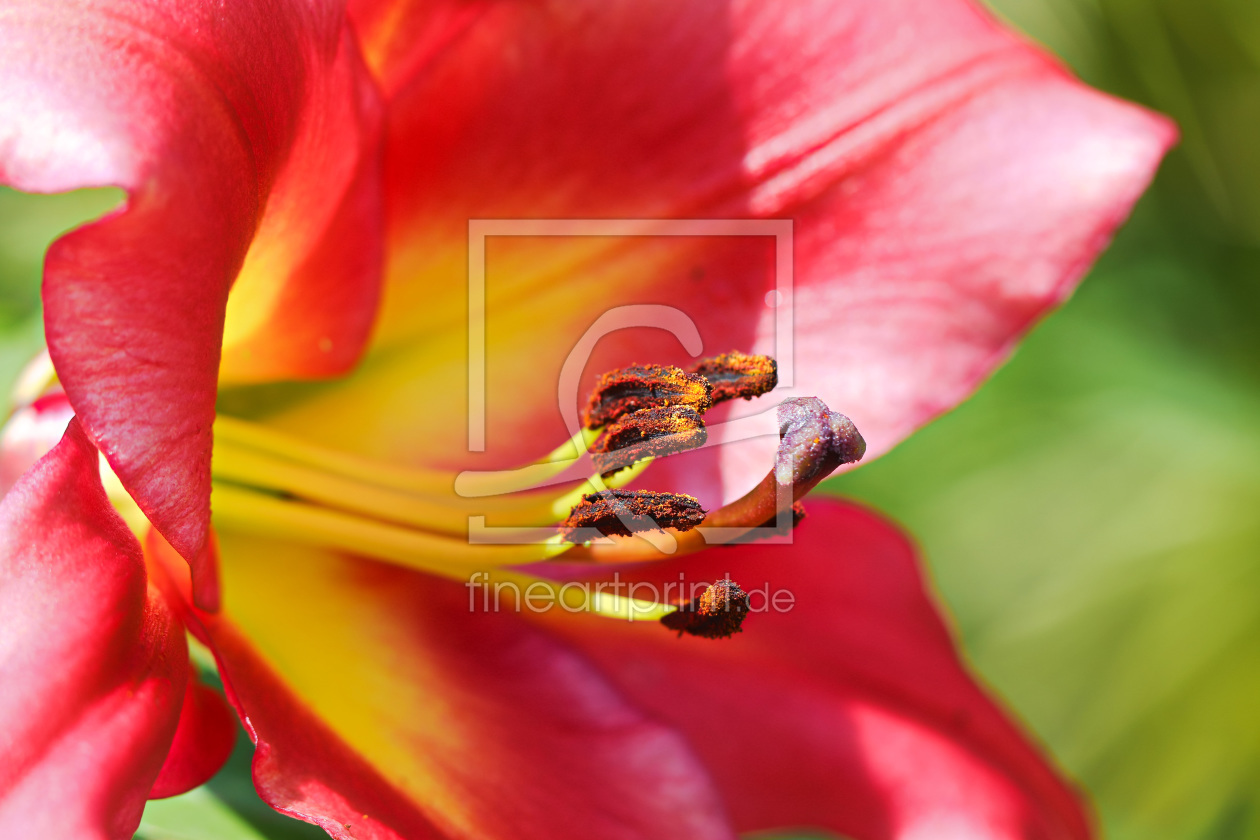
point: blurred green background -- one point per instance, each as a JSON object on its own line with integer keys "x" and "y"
{"x": 1091, "y": 516}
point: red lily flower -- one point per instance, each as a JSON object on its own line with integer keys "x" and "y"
{"x": 946, "y": 183}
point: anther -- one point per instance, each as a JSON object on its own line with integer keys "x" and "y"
{"x": 635, "y": 388}
{"x": 626, "y": 512}
{"x": 737, "y": 374}
{"x": 716, "y": 614}
{"x": 648, "y": 433}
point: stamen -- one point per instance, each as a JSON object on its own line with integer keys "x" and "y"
{"x": 814, "y": 441}
{"x": 716, "y": 614}
{"x": 627, "y": 512}
{"x": 648, "y": 433}
{"x": 737, "y": 374}
{"x": 252, "y": 512}
{"x": 645, "y": 386}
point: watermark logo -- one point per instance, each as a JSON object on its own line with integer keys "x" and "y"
{"x": 779, "y": 312}
{"x": 635, "y": 600}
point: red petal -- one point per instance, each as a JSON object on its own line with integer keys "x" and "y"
{"x": 206, "y": 118}
{"x": 851, "y": 711}
{"x": 203, "y": 741}
{"x": 947, "y": 184}
{"x": 383, "y": 708}
{"x": 92, "y": 662}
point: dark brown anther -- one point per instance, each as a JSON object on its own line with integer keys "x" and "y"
{"x": 635, "y": 388}
{"x": 649, "y": 433}
{"x": 626, "y": 512}
{"x": 813, "y": 441}
{"x": 737, "y": 374}
{"x": 716, "y": 614}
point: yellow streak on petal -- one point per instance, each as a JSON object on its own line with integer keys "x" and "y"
{"x": 346, "y": 640}
{"x": 122, "y": 501}
{"x": 252, "y": 303}
{"x": 334, "y": 639}
{"x": 256, "y": 436}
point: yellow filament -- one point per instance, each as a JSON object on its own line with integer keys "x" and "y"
{"x": 246, "y": 511}
{"x": 270, "y": 484}
{"x": 585, "y": 596}
{"x": 447, "y": 515}
{"x": 560, "y": 507}
{"x": 260, "y": 514}
{"x": 247, "y": 435}
{"x": 475, "y": 484}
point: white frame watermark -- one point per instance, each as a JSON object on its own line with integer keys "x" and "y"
{"x": 780, "y": 299}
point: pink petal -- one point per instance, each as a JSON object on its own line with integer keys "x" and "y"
{"x": 850, "y": 711}
{"x": 92, "y": 662}
{"x": 383, "y": 708}
{"x": 213, "y": 121}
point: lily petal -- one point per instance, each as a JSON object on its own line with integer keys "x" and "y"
{"x": 92, "y": 662}
{"x": 211, "y": 120}
{"x": 947, "y": 184}
{"x": 383, "y": 708}
{"x": 203, "y": 741}
{"x": 851, "y": 710}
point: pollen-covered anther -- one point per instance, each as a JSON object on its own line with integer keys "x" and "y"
{"x": 717, "y": 614}
{"x": 627, "y": 512}
{"x": 649, "y": 433}
{"x": 737, "y": 374}
{"x": 635, "y": 388}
